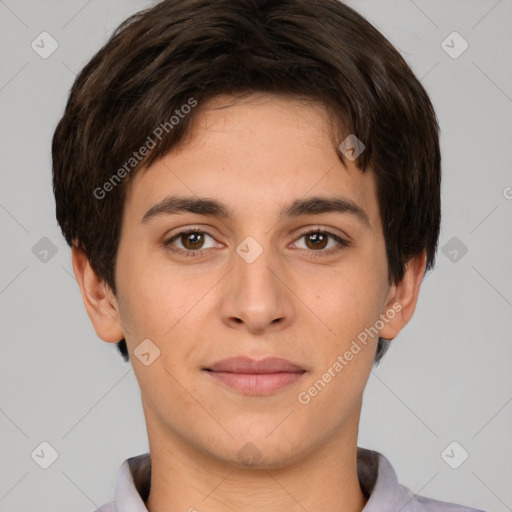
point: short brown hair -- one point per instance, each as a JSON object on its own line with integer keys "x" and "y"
{"x": 159, "y": 59}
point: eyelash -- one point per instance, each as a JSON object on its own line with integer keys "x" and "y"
{"x": 196, "y": 253}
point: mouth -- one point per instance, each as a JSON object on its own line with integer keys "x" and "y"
{"x": 251, "y": 377}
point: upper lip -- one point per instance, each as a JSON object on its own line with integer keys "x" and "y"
{"x": 244, "y": 364}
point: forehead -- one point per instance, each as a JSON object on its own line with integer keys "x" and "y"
{"x": 255, "y": 153}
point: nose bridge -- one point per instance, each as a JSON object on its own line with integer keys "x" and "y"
{"x": 256, "y": 294}
{"x": 254, "y": 266}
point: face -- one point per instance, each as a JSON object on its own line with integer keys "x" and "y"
{"x": 270, "y": 278}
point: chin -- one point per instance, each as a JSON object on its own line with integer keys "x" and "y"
{"x": 265, "y": 451}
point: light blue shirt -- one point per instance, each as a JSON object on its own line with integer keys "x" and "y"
{"x": 377, "y": 478}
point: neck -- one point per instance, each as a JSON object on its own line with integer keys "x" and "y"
{"x": 182, "y": 478}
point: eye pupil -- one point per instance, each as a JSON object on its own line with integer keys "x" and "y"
{"x": 319, "y": 240}
{"x": 193, "y": 240}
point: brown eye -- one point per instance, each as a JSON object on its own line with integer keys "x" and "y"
{"x": 322, "y": 243}
{"x": 192, "y": 240}
{"x": 316, "y": 240}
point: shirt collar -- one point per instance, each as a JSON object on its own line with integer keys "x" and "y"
{"x": 377, "y": 478}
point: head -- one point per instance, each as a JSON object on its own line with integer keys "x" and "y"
{"x": 246, "y": 103}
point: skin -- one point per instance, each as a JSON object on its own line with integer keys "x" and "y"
{"x": 294, "y": 301}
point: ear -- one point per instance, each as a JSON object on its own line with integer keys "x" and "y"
{"x": 99, "y": 301}
{"x": 402, "y": 297}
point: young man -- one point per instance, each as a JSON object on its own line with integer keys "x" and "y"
{"x": 251, "y": 190}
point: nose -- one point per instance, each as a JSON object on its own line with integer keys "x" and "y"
{"x": 256, "y": 295}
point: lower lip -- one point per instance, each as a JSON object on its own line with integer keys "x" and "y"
{"x": 257, "y": 383}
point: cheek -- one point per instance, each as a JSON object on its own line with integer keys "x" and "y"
{"x": 163, "y": 303}
{"x": 350, "y": 308}
{"x": 143, "y": 307}
{"x": 355, "y": 297}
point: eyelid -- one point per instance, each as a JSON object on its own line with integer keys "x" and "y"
{"x": 342, "y": 239}
{"x": 343, "y": 242}
{"x": 193, "y": 229}
{"x": 324, "y": 229}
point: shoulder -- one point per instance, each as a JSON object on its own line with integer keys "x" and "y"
{"x": 380, "y": 483}
{"x": 419, "y": 503}
{"x": 108, "y": 507}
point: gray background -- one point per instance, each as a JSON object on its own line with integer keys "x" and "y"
{"x": 446, "y": 378}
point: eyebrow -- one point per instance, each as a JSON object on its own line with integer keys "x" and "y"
{"x": 315, "y": 205}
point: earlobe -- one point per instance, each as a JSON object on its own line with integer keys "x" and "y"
{"x": 99, "y": 301}
{"x": 403, "y": 297}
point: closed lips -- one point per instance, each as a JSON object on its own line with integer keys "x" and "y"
{"x": 246, "y": 365}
